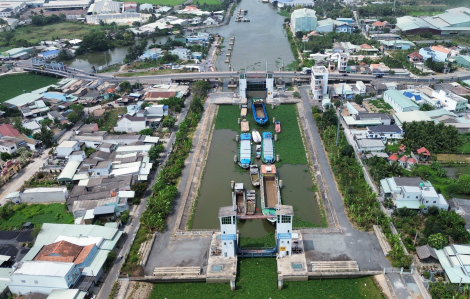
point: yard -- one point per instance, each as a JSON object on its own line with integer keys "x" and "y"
{"x": 16, "y": 84}
{"x": 257, "y": 278}
{"x": 379, "y": 106}
{"x": 465, "y": 147}
{"x": 35, "y": 34}
{"x": 35, "y": 213}
{"x": 110, "y": 118}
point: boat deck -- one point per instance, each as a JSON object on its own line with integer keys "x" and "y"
{"x": 245, "y": 126}
{"x": 259, "y": 111}
{"x": 243, "y": 112}
{"x": 245, "y": 151}
{"x": 240, "y": 203}
{"x": 270, "y": 191}
{"x": 268, "y": 148}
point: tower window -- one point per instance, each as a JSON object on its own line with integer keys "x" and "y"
{"x": 227, "y": 220}
{"x": 285, "y": 219}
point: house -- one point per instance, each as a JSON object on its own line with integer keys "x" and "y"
{"x": 88, "y": 128}
{"x": 209, "y": 21}
{"x": 148, "y": 8}
{"x": 344, "y": 28}
{"x": 379, "y": 68}
{"x": 130, "y": 7}
{"x": 369, "y": 145}
{"x": 77, "y": 156}
{"x": 49, "y": 55}
{"x": 383, "y": 118}
{"x": 33, "y": 125}
{"x": 415, "y": 57}
{"x": 397, "y": 44}
{"x": 412, "y": 192}
{"x": 385, "y": 132}
{"x": 182, "y": 53}
{"x": 342, "y": 63}
{"x": 436, "y": 53}
{"x": 426, "y": 254}
{"x": 450, "y": 101}
{"x": 361, "y": 87}
{"x": 393, "y": 158}
{"x": 129, "y": 123}
{"x": 8, "y": 130}
{"x": 398, "y": 101}
{"x": 407, "y": 162}
{"x": 109, "y": 93}
{"x": 104, "y": 214}
{"x": 52, "y": 115}
{"x": 379, "y": 26}
{"x": 423, "y": 154}
{"x": 98, "y": 113}
{"x": 9, "y": 169}
{"x": 12, "y": 144}
{"x": 10, "y": 25}
{"x": 303, "y": 20}
{"x": 454, "y": 260}
{"x": 67, "y": 147}
{"x": 462, "y": 60}
{"x": 64, "y": 256}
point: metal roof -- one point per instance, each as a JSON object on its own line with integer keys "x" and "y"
{"x": 69, "y": 171}
{"x": 42, "y": 268}
{"x": 398, "y": 97}
{"x": 66, "y": 294}
{"x": 96, "y": 263}
{"x": 103, "y": 210}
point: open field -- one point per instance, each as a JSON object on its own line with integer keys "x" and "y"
{"x": 111, "y": 118}
{"x": 37, "y": 214}
{"x": 35, "y": 34}
{"x": 289, "y": 145}
{"x": 18, "y": 82}
{"x": 257, "y": 278}
{"x": 456, "y": 158}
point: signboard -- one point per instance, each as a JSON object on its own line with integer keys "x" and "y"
{"x": 282, "y": 248}
{"x": 284, "y": 236}
{"x": 228, "y": 237}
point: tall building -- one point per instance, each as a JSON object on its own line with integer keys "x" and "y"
{"x": 303, "y": 20}
{"x": 342, "y": 63}
{"x": 319, "y": 82}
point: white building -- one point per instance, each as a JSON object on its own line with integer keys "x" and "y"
{"x": 44, "y": 194}
{"x": 285, "y": 217}
{"x": 369, "y": 145}
{"x": 319, "y": 82}
{"x": 361, "y": 87}
{"x": 42, "y": 277}
{"x": 398, "y": 101}
{"x": 228, "y": 229}
{"x": 451, "y": 101}
{"x": 129, "y": 123}
{"x": 303, "y": 20}
{"x": 67, "y": 147}
{"x": 342, "y": 63}
{"x": 182, "y": 53}
{"x": 436, "y": 53}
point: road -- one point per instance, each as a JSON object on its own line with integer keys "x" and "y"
{"x": 25, "y": 174}
{"x": 130, "y": 229}
{"x": 361, "y": 242}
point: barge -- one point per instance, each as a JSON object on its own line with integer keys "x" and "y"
{"x": 259, "y": 111}
{"x": 270, "y": 192}
{"x": 244, "y": 150}
{"x": 267, "y": 148}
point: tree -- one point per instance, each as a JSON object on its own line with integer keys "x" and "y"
{"x": 463, "y": 183}
{"x": 155, "y": 151}
{"x": 296, "y": 94}
{"x": 169, "y": 121}
{"x": 139, "y": 189}
{"x": 125, "y": 86}
{"x": 347, "y": 150}
{"x": 63, "y": 55}
{"x": 125, "y": 217}
{"x": 437, "y": 241}
{"x": 426, "y": 107}
{"x": 358, "y": 99}
{"x": 386, "y": 30}
{"x": 148, "y": 132}
{"x": 45, "y": 135}
{"x": 5, "y": 156}
{"x": 46, "y": 122}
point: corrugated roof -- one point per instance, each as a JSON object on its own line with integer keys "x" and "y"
{"x": 66, "y": 294}
{"x": 53, "y": 269}
{"x": 69, "y": 171}
{"x": 96, "y": 264}
{"x": 401, "y": 99}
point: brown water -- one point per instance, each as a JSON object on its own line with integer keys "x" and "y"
{"x": 215, "y": 189}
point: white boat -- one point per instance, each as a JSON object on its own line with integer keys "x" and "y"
{"x": 256, "y": 136}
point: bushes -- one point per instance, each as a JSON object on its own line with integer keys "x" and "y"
{"x": 125, "y": 217}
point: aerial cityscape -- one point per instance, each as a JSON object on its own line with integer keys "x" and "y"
{"x": 234, "y": 149}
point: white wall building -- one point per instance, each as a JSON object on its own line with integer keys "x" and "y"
{"x": 44, "y": 194}
{"x": 129, "y": 123}
{"x": 398, "y": 101}
{"x": 285, "y": 217}
{"x": 342, "y": 63}
{"x": 303, "y": 20}
{"x": 42, "y": 277}
{"x": 319, "y": 82}
{"x": 67, "y": 147}
{"x": 228, "y": 230}
{"x": 451, "y": 101}
{"x": 182, "y": 53}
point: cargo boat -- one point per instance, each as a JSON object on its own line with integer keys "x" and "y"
{"x": 238, "y": 199}
{"x": 254, "y": 174}
{"x": 244, "y": 150}
{"x": 270, "y": 193}
{"x": 259, "y": 111}
{"x": 250, "y": 202}
{"x": 258, "y": 151}
{"x": 267, "y": 148}
{"x": 256, "y": 136}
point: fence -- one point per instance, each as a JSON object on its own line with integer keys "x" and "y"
{"x": 398, "y": 270}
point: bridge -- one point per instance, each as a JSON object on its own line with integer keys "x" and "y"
{"x": 36, "y": 67}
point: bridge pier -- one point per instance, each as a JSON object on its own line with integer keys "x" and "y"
{"x": 280, "y": 283}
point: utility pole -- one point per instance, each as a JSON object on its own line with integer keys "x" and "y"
{"x": 339, "y": 116}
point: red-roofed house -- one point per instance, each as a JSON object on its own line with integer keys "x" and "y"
{"x": 130, "y": 7}
{"x": 8, "y": 130}
{"x": 411, "y": 162}
{"x": 423, "y": 153}
{"x": 415, "y": 57}
{"x": 403, "y": 160}
{"x": 401, "y": 149}
{"x": 379, "y": 25}
{"x": 393, "y": 158}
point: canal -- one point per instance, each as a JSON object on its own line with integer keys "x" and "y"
{"x": 261, "y": 40}
{"x": 220, "y": 170}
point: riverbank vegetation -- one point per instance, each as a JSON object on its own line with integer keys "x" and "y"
{"x": 16, "y": 84}
{"x": 14, "y": 216}
{"x": 289, "y": 143}
{"x": 257, "y": 278}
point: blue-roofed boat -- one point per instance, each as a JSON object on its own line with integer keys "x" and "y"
{"x": 259, "y": 111}
{"x": 244, "y": 150}
{"x": 267, "y": 148}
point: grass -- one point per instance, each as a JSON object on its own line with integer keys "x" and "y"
{"x": 284, "y": 13}
{"x": 161, "y": 2}
{"x": 35, "y": 34}
{"x": 207, "y": 2}
{"x": 37, "y": 214}
{"x": 453, "y": 158}
{"x": 16, "y": 84}
{"x": 381, "y": 105}
{"x": 257, "y": 278}
{"x": 289, "y": 143}
{"x": 112, "y": 118}
{"x": 465, "y": 147}
{"x": 267, "y": 241}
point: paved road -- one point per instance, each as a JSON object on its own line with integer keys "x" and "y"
{"x": 358, "y": 241}
{"x": 132, "y": 228}
{"x": 25, "y": 174}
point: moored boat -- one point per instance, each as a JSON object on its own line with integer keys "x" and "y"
{"x": 258, "y": 151}
{"x": 270, "y": 193}
{"x": 244, "y": 150}
{"x": 238, "y": 199}
{"x": 278, "y": 126}
{"x": 256, "y": 136}
{"x": 259, "y": 111}
{"x": 250, "y": 202}
{"x": 267, "y": 148}
{"x": 254, "y": 174}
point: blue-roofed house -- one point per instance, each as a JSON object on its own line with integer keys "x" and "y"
{"x": 346, "y": 20}
{"x": 344, "y": 28}
{"x": 49, "y": 54}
